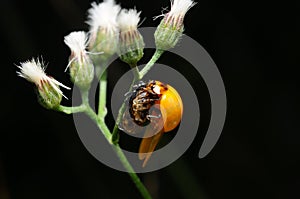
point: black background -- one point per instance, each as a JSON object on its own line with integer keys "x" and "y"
{"x": 255, "y": 45}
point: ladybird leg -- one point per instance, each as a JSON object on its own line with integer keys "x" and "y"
{"x": 120, "y": 127}
{"x": 153, "y": 116}
{"x": 141, "y": 83}
{"x": 147, "y": 146}
{"x": 128, "y": 94}
{"x": 144, "y": 101}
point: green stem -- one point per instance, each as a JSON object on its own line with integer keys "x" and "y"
{"x": 112, "y": 138}
{"x": 100, "y": 123}
{"x": 85, "y": 107}
{"x": 69, "y": 110}
{"x": 136, "y": 72}
{"x": 115, "y": 134}
{"x": 102, "y": 111}
{"x": 131, "y": 172}
{"x": 152, "y": 61}
{"x": 105, "y": 131}
{"x": 85, "y": 97}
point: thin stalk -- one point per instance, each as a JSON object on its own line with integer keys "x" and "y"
{"x": 140, "y": 186}
{"x": 100, "y": 123}
{"x": 102, "y": 111}
{"x": 105, "y": 131}
{"x": 115, "y": 134}
{"x": 136, "y": 72}
{"x": 85, "y": 97}
{"x": 70, "y": 110}
{"x": 150, "y": 64}
{"x": 85, "y": 107}
{"x": 134, "y": 177}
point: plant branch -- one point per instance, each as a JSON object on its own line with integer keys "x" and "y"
{"x": 105, "y": 131}
{"x": 150, "y": 64}
{"x": 70, "y": 110}
{"x": 136, "y": 180}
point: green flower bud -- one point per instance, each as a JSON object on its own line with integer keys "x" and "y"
{"x": 104, "y": 43}
{"x": 49, "y": 94}
{"x": 82, "y": 72}
{"x": 103, "y": 30}
{"x": 167, "y": 37}
{"x": 48, "y": 97}
{"x": 80, "y": 65}
{"x": 170, "y": 29}
{"x": 131, "y": 43}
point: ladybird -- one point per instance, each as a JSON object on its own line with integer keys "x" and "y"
{"x": 157, "y": 106}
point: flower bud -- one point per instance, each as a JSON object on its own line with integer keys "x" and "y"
{"x": 131, "y": 43}
{"x": 48, "y": 97}
{"x": 49, "y": 94}
{"x": 80, "y": 64}
{"x": 170, "y": 29}
{"x": 102, "y": 19}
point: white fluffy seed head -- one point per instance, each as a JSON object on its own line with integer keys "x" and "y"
{"x": 180, "y": 7}
{"x": 77, "y": 42}
{"x": 34, "y": 71}
{"x": 128, "y": 19}
{"x": 103, "y": 15}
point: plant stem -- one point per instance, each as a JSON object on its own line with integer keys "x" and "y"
{"x": 115, "y": 134}
{"x": 85, "y": 97}
{"x": 112, "y": 138}
{"x": 102, "y": 111}
{"x": 70, "y": 110}
{"x": 100, "y": 123}
{"x": 105, "y": 131}
{"x": 102, "y": 126}
{"x": 131, "y": 172}
{"x": 152, "y": 61}
{"x": 136, "y": 72}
